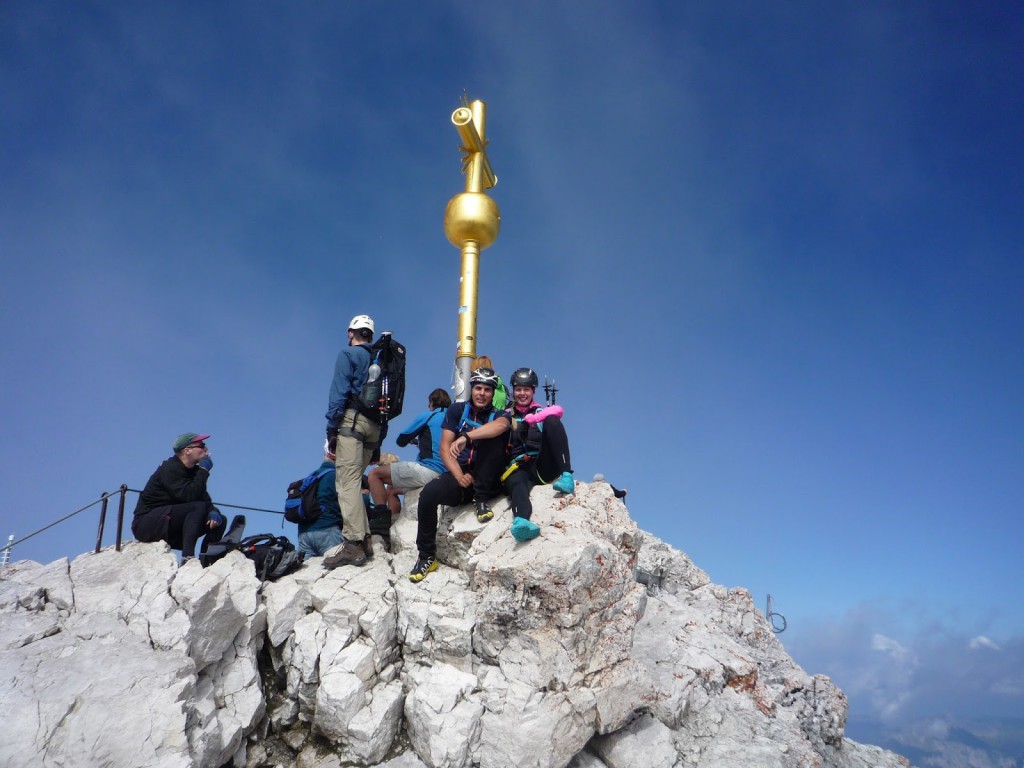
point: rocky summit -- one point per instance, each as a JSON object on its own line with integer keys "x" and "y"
{"x": 543, "y": 654}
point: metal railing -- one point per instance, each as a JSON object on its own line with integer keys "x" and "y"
{"x": 103, "y": 501}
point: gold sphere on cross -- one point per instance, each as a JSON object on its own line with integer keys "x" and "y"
{"x": 472, "y": 216}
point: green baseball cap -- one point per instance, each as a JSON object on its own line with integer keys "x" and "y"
{"x": 187, "y": 439}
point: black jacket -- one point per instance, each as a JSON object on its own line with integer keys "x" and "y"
{"x": 173, "y": 483}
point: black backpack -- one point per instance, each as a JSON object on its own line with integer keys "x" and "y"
{"x": 273, "y": 556}
{"x": 383, "y": 394}
{"x": 214, "y": 552}
{"x": 302, "y": 504}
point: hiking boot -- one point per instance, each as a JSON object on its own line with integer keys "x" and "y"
{"x": 350, "y": 554}
{"x": 483, "y": 512}
{"x": 368, "y": 547}
{"x": 524, "y": 530}
{"x": 565, "y": 483}
{"x": 424, "y": 565}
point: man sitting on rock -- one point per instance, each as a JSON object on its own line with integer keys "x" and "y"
{"x": 175, "y": 506}
{"x": 472, "y": 450}
{"x": 538, "y": 452}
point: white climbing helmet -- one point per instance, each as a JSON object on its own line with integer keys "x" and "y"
{"x": 361, "y": 321}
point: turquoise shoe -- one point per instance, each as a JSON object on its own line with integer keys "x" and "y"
{"x": 524, "y": 530}
{"x": 565, "y": 484}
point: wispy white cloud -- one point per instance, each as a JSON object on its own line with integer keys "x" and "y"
{"x": 899, "y": 673}
{"x": 981, "y": 641}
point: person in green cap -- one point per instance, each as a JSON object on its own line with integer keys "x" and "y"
{"x": 175, "y": 506}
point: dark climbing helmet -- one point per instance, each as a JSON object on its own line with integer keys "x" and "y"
{"x": 524, "y": 377}
{"x": 485, "y": 376}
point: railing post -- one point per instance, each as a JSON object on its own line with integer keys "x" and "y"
{"x": 120, "y": 516}
{"x": 103, "y": 518}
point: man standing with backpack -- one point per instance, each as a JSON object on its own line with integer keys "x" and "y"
{"x": 352, "y": 436}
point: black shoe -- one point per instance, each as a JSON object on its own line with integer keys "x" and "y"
{"x": 368, "y": 547}
{"x": 424, "y": 565}
{"x": 483, "y": 512}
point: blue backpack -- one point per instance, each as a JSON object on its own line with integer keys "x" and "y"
{"x": 302, "y": 504}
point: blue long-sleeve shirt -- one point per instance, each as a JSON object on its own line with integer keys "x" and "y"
{"x": 349, "y": 376}
{"x": 425, "y": 431}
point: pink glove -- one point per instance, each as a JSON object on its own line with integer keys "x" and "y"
{"x": 543, "y": 413}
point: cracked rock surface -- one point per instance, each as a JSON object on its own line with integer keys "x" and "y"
{"x": 540, "y": 654}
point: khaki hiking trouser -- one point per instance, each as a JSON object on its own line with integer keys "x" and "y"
{"x": 357, "y": 438}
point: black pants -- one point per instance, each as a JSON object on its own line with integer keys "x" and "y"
{"x": 485, "y": 469}
{"x": 186, "y": 523}
{"x": 542, "y": 469}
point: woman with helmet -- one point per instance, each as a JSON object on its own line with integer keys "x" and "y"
{"x": 538, "y": 452}
{"x": 472, "y": 449}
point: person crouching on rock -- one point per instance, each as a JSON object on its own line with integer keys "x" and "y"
{"x": 538, "y": 452}
{"x": 473, "y": 450}
{"x": 175, "y": 506}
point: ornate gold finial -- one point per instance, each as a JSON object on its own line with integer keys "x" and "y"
{"x": 471, "y": 223}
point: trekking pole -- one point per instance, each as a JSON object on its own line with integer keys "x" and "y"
{"x": 550, "y": 391}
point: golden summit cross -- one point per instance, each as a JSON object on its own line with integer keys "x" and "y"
{"x": 471, "y": 223}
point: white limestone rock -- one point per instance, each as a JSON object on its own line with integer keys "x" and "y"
{"x": 722, "y": 682}
{"x": 541, "y": 654}
{"x": 29, "y": 627}
{"x": 442, "y": 716}
{"x": 374, "y": 728}
{"x": 529, "y": 727}
{"x": 207, "y": 596}
{"x": 155, "y": 666}
{"x": 436, "y": 617}
{"x": 287, "y": 602}
{"x": 644, "y": 743}
{"x": 100, "y": 699}
{"x": 405, "y": 760}
{"x": 54, "y": 579}
{"x": 16, "y": 594}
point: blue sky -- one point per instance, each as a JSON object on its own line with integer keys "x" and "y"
{"x": 771, "y": 256}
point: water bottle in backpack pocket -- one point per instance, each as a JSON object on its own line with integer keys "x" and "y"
{"x": 383, "y": 394}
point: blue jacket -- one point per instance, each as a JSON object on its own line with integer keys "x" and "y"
{"x": 349, "y": 376}
{"x": 327, "y": 495}
{"x": 425, "y": 431}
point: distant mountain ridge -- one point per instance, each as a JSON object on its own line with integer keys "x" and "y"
{"x": 974, "y": 743}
